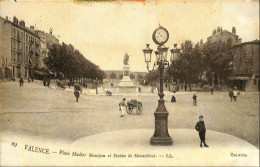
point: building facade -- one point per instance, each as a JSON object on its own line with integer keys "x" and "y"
{"x": 246, "y": 63}
{"x": 223, "y": 35}
{"x": 20, "y": 49}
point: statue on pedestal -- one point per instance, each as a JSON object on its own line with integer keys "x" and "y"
{"x": 126, "y": 59}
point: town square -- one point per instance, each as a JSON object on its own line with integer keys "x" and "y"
{"x": 79, "y": 89}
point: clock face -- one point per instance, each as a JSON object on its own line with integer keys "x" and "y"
{"x": 160, "y": 36}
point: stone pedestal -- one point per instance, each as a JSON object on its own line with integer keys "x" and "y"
{"x": 126, "y": 85}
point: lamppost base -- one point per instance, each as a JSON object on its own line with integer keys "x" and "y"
{"x": 161, "y": 141}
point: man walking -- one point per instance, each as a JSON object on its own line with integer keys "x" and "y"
{"x": 230, "y": 93}
{"x": 122, "y": 107}
{"x": 21, "y": 81}
{"x": 212, "y": 90}
{"x": 200, "y": 127}
{"x": 194, "y": 97}
{"x": 235, "y": 94}
{"x": 76, "y": 94}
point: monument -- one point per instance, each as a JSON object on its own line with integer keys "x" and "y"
{"x": 126, "y": 85}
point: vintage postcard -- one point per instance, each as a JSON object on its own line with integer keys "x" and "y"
{"x": 129, "y": 82}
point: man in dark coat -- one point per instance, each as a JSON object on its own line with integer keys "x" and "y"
{"x": 173, "y": 99}
{"x": 194, "y": 97}
{"x": 212, "y": 90}
{"x": 21, "y": 81}
{"x": 76, "y": 93}
{"x": 200, "y": 127}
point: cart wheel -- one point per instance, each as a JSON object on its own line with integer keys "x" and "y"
{"x": 139, "y": 109}
{"x": 128, "y": 110}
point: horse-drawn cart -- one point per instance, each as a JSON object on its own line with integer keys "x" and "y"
{"x": 134, "y": 104}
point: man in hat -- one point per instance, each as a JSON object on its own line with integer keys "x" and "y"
{"x": 200, "y": 127}
{"x": 122, "y": 107}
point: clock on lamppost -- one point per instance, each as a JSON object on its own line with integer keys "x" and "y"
{"x": 161, "y": 135}
{"x": 160, "y": 36}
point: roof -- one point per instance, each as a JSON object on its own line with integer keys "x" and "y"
{"x": 29, "y": 30}
{"x": 224, "y": 31}
{"x": 250, "y": 42}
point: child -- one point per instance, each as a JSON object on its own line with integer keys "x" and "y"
{"x": 122, "y": 107}
{"x": 200, "y": 127}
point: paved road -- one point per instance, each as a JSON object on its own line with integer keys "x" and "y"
{"x": 49, "y": 113}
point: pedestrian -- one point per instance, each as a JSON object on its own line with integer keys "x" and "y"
{"x": 212, "y": 90}
{"x": 235, "y": 94}
{"x": 21, "y": 81}
{"x": 48, "y": 82}
{"x": 112, "y": 84}
{"x": 28, "y": 79}
{"x": 230, "y": 93}
{"x": 122, "y": 107}
{"x": 173, "y": 99}
{"x": 76, "y": 93}
{"x": 44, "y": 82}
{"x": 200, "y": 127}
{"x": 194, "y": 97}
{"x": 139, "y": 89}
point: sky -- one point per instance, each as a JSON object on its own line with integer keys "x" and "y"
{"x": 104, "y": 32}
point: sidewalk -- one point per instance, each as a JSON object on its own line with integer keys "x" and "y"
{"x": 184, "y": 151}
{"x": 130, "y": 148}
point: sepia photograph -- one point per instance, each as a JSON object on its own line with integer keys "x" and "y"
{"x": 129, "y": 83}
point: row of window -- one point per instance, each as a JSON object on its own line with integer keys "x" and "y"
{"x": 20, "y": 58}
{"x": 19, "y": 45}
{"x": 16, "y": 33}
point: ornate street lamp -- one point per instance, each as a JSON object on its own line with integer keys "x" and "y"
{"x": 161, "y": 135}
{"x": 147, "y": 55}
{"x": 174, "y": 53}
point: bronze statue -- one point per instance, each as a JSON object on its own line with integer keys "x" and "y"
{"x": 126, "y": 59}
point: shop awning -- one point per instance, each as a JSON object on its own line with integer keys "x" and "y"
{"x": 238, "y": 78}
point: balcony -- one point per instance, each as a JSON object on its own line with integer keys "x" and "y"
{"x": 19, "y": 38}
{"x": 37, "y": 54}
{"x": 19, "y": 50}
{"x": 31, "y": 42}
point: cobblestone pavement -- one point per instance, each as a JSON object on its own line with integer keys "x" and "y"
{"x": 53, "y": 114}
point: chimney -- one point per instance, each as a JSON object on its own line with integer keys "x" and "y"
{"x": 15, "y": 20}
{"x": 218, "y": 29}
{"x": 32, "y": 27}
{"x": 234, "y": 30}
{"x": 6, "y": 17}
{"x": 22, "y": 23}
{"x": 201, "y": 42}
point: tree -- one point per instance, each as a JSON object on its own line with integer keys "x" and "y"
{"x": 140, "y": 77}
{"x": 71, "y": 63}
{"x": 132, "y": 76}
{"x": 217, "y": 58}
{"x": 113, "y": 75}
{"x": 120, "y": 76}
{"x": 152, "y": 77}
{"x": 188, "y": 68}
